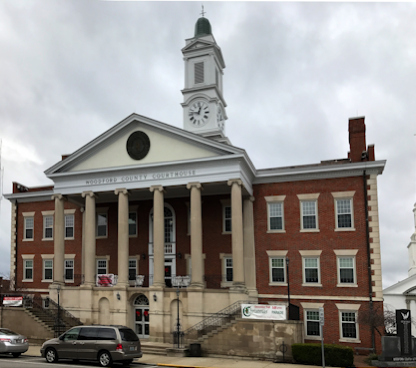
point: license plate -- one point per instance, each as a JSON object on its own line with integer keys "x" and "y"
{"x": 132, "y": 348}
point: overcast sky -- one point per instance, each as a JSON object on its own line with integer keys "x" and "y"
{"x": 295, "y": 73}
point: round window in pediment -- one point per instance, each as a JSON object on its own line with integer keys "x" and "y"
{"x": 138, "y": 145}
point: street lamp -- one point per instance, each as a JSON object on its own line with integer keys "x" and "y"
{"x": 288, "y": 288}
{"x": 58, "y": 325}
{"x": 179, "y": 281}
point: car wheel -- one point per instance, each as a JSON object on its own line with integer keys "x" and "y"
{"x": 104, "y": 358}
{"x": 16, "y": 355}
{"x": 51, "y": 355}
{"x": 127, "y": 362}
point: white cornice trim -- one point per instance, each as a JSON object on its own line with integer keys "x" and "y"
{"x": 319, "y": 171}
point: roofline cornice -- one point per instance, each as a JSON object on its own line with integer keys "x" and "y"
{"x": 318, "y": 171}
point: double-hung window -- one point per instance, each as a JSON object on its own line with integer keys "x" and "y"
{"x": 311, "y": 267}
{"x": 47, "y": 225}
{"x": 29, "y": 225}
{"x": 226, "y": 216}
{"x": 69, "y": 226}
{"x": 309, "y": 212}
{"x": 277, "y": 267}
{"x": 101, "y": 266}
{"x": 132, "y": 269}
{"x": 47, "y": 270}
{"x": 28, "y": 269}
{"x": 344, "y": 210}
{"x": 311, "y": 320}
{"x": 348, "y": 322}
{"x": 346, "y": 269}
{"x": 226, "y": 269}
{"x": 69, "y": 270}
{"x": 132, "y": 223}
{"x": 101, "y": 225}
{"x": 275, "y": 213}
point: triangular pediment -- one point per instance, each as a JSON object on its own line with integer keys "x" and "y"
{"x": 198, "y": 43}
{"x": 166, "y": 143}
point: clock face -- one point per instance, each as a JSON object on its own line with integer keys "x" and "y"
{"x": 199, "y": 113}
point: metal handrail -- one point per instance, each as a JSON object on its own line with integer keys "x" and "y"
{"x": 215, "y": 320}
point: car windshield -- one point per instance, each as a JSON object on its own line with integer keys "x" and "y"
{"x": 128, "y": 334}
{"x": 5, "y": 331}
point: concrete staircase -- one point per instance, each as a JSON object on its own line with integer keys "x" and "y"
{"x": 155, "y": 348}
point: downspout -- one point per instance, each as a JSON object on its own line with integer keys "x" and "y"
{"x": 15, "y": 249}
{"x": 367, "y": 229}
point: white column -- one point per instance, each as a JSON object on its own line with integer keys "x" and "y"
{"x": 59, "y": 239}
{"x": 158, "y": 236}
{"x": 89, "y": 238}
{"x": 237, "y": 232}
{"x": 123, "y": 236}
{"x": 249, "y": 247}
{"x": 196, "y": 235}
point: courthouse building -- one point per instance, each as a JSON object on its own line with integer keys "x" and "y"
{"x": 145, "y": 202}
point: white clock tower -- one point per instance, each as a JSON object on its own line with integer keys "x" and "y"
{"x": 203, "y": 101}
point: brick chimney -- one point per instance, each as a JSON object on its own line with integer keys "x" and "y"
{"x": 358, "y": 148}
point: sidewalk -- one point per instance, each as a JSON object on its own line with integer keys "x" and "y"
{"x": 205, "y": 362}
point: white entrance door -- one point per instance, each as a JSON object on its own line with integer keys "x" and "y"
{"x": 141, "y": 316}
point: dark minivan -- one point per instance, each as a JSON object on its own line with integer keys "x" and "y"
{"x": 106, "y": 344}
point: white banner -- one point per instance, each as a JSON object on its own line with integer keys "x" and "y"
{"x": 106, "y": 280}
{"x": 263, "y": 311}
{"x": 12, "y": 301}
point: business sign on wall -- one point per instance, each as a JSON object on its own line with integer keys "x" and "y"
{"x": 263, "y": 311}
{"x": 13, "y": 301}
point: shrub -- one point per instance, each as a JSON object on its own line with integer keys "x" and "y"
{"x": 335, "y": 355}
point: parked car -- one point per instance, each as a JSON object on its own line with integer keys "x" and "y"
{"x": 106, "y": 344}
{"x": 12, "y": 342}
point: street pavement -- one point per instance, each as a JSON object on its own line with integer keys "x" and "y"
{"x": 200, "y": 362}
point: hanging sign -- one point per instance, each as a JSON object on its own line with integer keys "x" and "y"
{"x": 263, "y": 311}
{"x": 12, "y": 301}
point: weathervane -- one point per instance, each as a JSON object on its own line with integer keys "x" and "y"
{"x": 203, "y": 12}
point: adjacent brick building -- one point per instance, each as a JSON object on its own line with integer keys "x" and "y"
{"x": 149, "y": 199}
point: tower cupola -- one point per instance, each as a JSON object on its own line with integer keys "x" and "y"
{"x": 202, "y": 27}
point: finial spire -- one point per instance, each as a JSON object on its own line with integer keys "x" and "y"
{"x": 203, "y": 12}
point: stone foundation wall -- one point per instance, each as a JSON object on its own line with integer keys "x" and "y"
{"x": 255, "y": 339}
{"x": 18, "y": 320}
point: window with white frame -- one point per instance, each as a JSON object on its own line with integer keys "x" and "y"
{"x": 48, "y": 227}
{"x": 227, "y": 219}
{"x": 101, "y": 225}
{"x": 132, "y": 269}
{"x": 311, "y": 269}
{"x": 228, "y": 266}
{"x": 226, "y": 269}
{"x": 277, "y": 266}
{"x": 275, "y": 213}
{"x": 29, "y": 227}
{"x": 309, "y": 211}
{"x": 312, "y": 323}
{"x": 47, "y": 269}
{"x": 132, "y": 223}
{"x": 346, "y": 268}
{"x": 344, "y": 210}
{"x": 101, "y": 266}
{"x": 309, "y": 215}
{"x": 348, "y": 322}
{"x": 348, "y": 325}
{"x": 28, "y": 270}
{"x": 69, "y": 226}
{"x": 69, "y": 270}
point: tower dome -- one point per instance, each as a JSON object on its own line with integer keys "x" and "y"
{"x": 202, "y": 27}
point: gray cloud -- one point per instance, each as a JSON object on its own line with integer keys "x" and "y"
{"x": 295, "y": 73}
